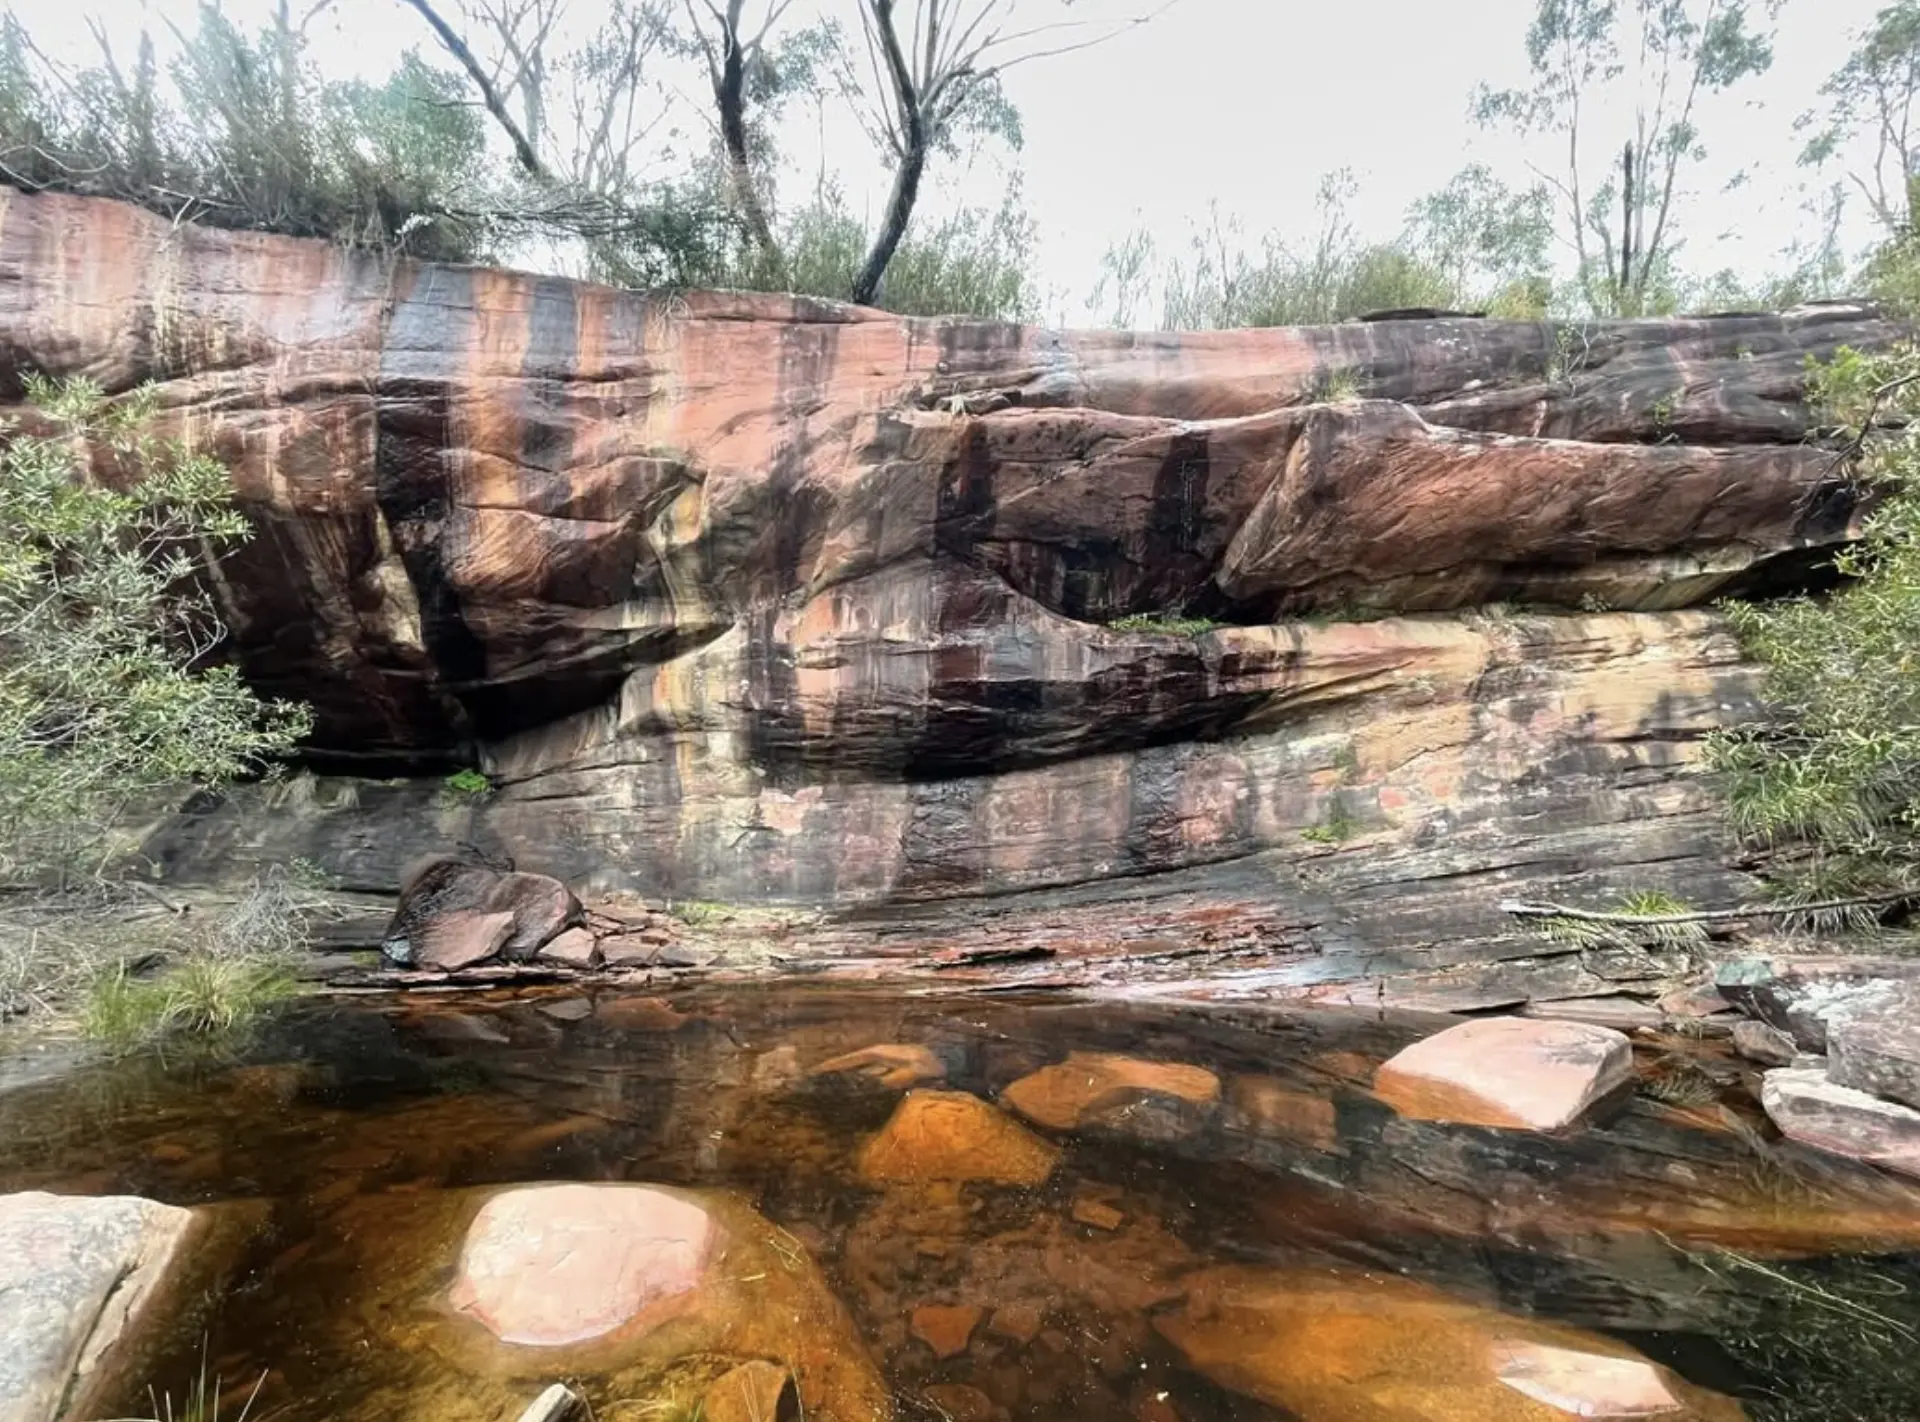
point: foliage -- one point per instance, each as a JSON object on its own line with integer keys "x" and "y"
{"x": 65, "y": 954}
{"x": 107, "y": 691}
{"x": 1875, "y": 91}
{"x": 469, "y": 783}
{"x": 1836, "y": 761}
{"x": 973, "y": 263}
{"x": 1490, "y": 243}
{"x": 201, "y": 1401}
{"x": 1337, "y": 828}
{"x": 1475, "y": 244}
{"x": 205, "y": 995}
{"x": 1618, "y": 211}
{"x": 1163, "y": 624}
{"x": 249, "y": 136}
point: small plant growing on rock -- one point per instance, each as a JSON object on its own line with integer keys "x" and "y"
{"x": 1163, "y": 624}
{"x": 468, "y": 784}
{"x": 1337, "y": 828}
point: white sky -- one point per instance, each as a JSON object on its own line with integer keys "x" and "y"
{"x": 1244, "y": 102}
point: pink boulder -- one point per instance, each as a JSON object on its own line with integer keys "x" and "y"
{"x": 550, "y": 1265}
{"x": 1515, "y": 1072}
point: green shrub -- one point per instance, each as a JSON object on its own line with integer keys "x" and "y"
{"x": 108, "y": 694}
{"x": 1163, "y": 624}
{"x": 1833, "y": 763}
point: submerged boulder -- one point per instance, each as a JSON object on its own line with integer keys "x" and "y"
{"x": 1161, "y": 1099}
{"x": 551, "y": 1265}
{"x": 1507, "y": 1071}
{"x": 1336, "y": 1347}
{"x": 945, "y": 1136}
{"x": 76, "y": 1274}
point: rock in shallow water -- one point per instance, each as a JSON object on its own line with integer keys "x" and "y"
{"x": 551, "y": 1265}
{"x": 1358, "y": 1348}
{"x": 1507, "y": 1071}
{"x": 753, "y": 1392}
{"x": 1811, "y": 1109}
{"x": 75, "y": 1275}
{"x": 950, "y": 1136}
{"x": 1099, "y": 1088}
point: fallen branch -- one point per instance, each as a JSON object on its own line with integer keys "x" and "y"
{"x": 1517, "y": 909}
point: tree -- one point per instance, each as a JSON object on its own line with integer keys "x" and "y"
{"x": 937, "y": 79}
{"x": 1488, "y": 242}
{"x": 1875, "y": 91}
{"x": 109, "y": 688}
{"x": 1668, "y": 54}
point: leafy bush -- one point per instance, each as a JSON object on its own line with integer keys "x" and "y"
{"x": 974, "y": 263}
{"x": 254, "y": 139}
{"x": 107, "y": 691}
{"x": 1830, "y": 775}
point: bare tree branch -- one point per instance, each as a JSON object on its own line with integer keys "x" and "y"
{"x": 523, "y": 147}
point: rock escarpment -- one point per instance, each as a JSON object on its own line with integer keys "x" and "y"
{"x": 762, "y": 599}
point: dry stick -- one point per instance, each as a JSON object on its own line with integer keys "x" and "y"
{"x": 1518, "y": 909}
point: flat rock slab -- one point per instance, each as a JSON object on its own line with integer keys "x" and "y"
{"x": 1876, "y": 1049}
{"x": 551, "y": 1265}
{"x": 1811, "y": 1109}
{"x": 1513, "y": 1072}
{"x": 75, "y": 1274}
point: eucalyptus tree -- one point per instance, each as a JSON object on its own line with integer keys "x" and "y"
{"x": 1619, "y": 84}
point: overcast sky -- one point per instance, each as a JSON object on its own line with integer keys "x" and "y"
{"x": 1243, "y": 102}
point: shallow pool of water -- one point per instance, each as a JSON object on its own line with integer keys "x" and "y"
{"x": 1252, "y": 1236}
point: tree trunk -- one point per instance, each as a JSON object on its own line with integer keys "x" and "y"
{"x": 731, "y": 94}
{"x": 906, "y": 191}
{"x": 1625, "y": 304}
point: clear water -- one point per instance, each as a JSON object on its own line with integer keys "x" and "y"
{"x": 344, "y": 1150}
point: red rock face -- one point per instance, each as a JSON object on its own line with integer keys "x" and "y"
{"x": 747, "y": 597}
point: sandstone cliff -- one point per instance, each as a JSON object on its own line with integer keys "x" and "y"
{"x": 756, "y": 598}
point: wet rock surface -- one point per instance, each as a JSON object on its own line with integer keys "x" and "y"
{"x": 952, "y": 1136}
{"x": 1119, "y": 1092}
{"x": 1357, "y": 1348}
{"x": 1303, "y": 1240}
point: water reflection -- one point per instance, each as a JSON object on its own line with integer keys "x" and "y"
{"x": 1020, "y": 1209}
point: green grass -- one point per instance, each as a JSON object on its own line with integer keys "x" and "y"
{"x": 202, "y": 996}
{"x": 1338, "y": 387}
{"x": 699, "y": 913}
{"x": 1164, "y": 625}
{"x": 1337, "y": 828}
{"x": 200, "y": 1402}
{"x": 1651, "y": 903}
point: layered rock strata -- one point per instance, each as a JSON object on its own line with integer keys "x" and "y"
{"x": 763, "y": 599}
